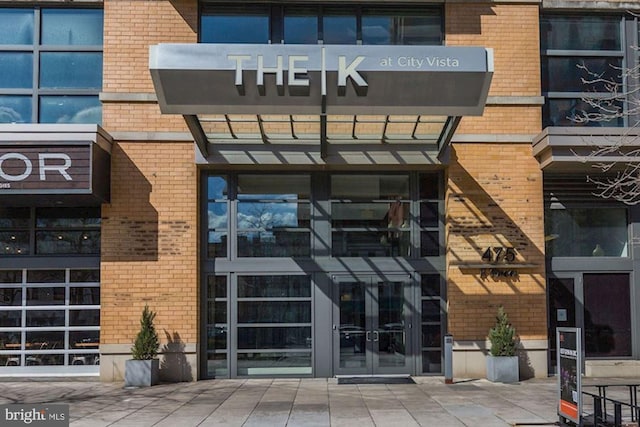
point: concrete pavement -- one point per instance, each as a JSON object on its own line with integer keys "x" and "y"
{"x": 296, "y": 402}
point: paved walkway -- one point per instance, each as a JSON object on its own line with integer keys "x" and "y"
{"x": 296, "y": 402}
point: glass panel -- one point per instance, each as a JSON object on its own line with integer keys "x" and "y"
{"x": 562, "y": 74}
{"x": 16, "y": 70}
{"x": 10, "y": 360}
{"x": 72, "y": 27}
{"x": 274, "y": 337}
{"x": 391, "y": 344}
{"x": 429, "y": 184}
{"x": 39, "y": 318}
{"x": 431, "y": 310}
{"x": 586, "y": 232}
{"x": 45, "y": 276}
{"x": 272, "y": 215}
{"x": 432, "y": 362}
{"x": 10, "y": 297}
{"x": 274, "y": 312}
{"x": 14, "y": 243}
{"x": 217, "y": 188}
{"x": 216, "y": 287}
{"x": 217, "y": 245}
{"x": 387, "y": 27}
{"x": 429, "y": 215}
{"x": 45, "y": 296}
{"x": 16, "y": 26}
{"x": 274, "y": 244}
{"x": 86, "y": 276}
{"x": 217, "y": 214}
{"x": 68, "y": 218}
{"x": 562, "y": 310}
{"x": 580, "y": 32}
{"x": 86, "y": 340}
{"x": 67, "y": 242}
{"x": 431, "y": 336}
{"x": 339, "y": 27}
{"x": 217, "y": 365}
{"x": 430, "y": 284}
{"x": 607, "y": 315}
{"x": 84, "y": 317}
{"x": 274, "y": 363}
{"x": 84, "y": 296}
{"x": 235, "y": 28}
{"x": 70, "y": 109}
{"x": 274, "y": 286}
{"x": 352, "y": 325}
{"x": 370, "y": 243}
{"x": 11, "y": 319}
{"x": 270, "y": 187}
{"x": 44, "y": 359}
{"x": 10, "y": 340}
{"x": 82, "y": 70}
{"x": 10, "y": 276}
{"x": 216, "y": 337}
{"x": 429, "y": 243}
{"x": 84, "y": 359}
{"x": 380, "y": 187}
{"x": 378, "y": 215}
{"x": 563, "y": 112}
{"x": 300, "y": 27}
{"x": 217, "y": 312}
{"x": 14, "y": 218}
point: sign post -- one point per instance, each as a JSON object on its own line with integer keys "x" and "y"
{"x": 569, "y": 345}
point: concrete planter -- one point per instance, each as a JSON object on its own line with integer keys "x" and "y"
{"x": 141, "y": 373}
{"x": 503, "y": 369}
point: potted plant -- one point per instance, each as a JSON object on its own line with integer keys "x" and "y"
{"x": 143, "y": 369}
{"x": 502, "y": 362}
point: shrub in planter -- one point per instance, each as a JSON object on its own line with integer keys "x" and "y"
{"x": 143, "y": 369}
{"x": 502, "y": 362}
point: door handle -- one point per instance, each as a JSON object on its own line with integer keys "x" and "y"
{"x": 368, "y": 335}
{"x": 376, "y": 336}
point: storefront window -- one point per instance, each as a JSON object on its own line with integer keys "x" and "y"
{"x": 399, "y": 27}
{"x": 586, "y": 232}
{"x": 56, "y": 74}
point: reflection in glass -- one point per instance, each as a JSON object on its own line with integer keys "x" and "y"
{"x": 274, "y": 286}
{"x": 274, "y": 337}
{"x": 68, "y": 218}
{"x": 72, "y": 27}
{"x": 217, "y": 312}
{"x": 381, "y": 187}
{"x": 45, "y": 296}
{"x": 15, "y": 109}
{"x": 217, "y": 244}
{"x": 432, "y": 362}
{"x": 235, "y": 28}
{"x": 216, "y": 287}
{"x": 10, "y": 297}
{"x": 274, "y": 312}
{"x": 562, "y": 73}
{"x": 84, "y": 317}
{"x": 10, "y": 340}
{"x": 84, "y": 296}
{"x": 85, "y": 340}
{"x": 300, "y": 26}
{"x": 217, "y": 215}
{"x": 67, "y": 242}
{"x": 84, "y": 359}
{"x": 295, "y": 363}
{"x": 272, "y": 215}
{"x": 339, "y": 27}
{"x": 10, "y": 360}
{"x": 217, "y": 188}
{"x": 44, "y": 359}
{"x": 387, "y": 27}
{"x": 585, "y": 32}
{"x": 14, "y": 243}
{"x": 391, "y": 332}
{"x": 370, "y": 243}
{"x": 429, "y": 185}
{"x": 40, "y": 318}
{"x": 45, "y": 276}
{"x": 16, "y": 70}
{"x": 274, "y": 187}
{"x": 217, "y": 365}
{"x": 10, "y": 276}
{"x": 278, "y": 243}
{"x": 586, "y": 232}
{"x": 16, "y": 26}
{"x": 564, "y": 112}
{"x": 216, "y": 337}
{"x": 81, "y": 70}
{"x": 352, "y": 325}
{"x": 87, "y": 276}
{"x": 431, "y": 336}
{"x": 70, "y": 109}
{"x": 14, "y": 218}
{"x": 607, "y": 315}
{"x": 11, "y": 319}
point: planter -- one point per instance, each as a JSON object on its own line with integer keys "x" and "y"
{"x": 502, "y": 369}
{"x": 141, "y": 373}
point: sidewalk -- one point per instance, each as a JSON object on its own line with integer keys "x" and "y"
{"x": 296, "y": 402}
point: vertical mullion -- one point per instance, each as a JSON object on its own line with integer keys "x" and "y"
{"x": 35, "y": 101}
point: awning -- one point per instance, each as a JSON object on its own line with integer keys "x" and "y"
{"x": 342, "y": 94}
{"x": 54, "y": 165}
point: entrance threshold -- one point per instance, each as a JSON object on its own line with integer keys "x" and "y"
{"x": 375, "y": 379}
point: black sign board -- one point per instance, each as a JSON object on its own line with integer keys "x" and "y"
{"x": 569, "y": 361}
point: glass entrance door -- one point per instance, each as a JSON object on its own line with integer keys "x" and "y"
{"x": 372, "y": 326}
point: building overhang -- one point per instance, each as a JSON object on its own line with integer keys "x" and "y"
{"x": 54, "y": 165}
{"x": 332, "y": 94}
{"x": 578, "y": 149}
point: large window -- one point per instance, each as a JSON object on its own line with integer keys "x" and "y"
{"x": 51, "y": 72}
{"x": 349, "y": 24}
{"x": 578, "y": 52}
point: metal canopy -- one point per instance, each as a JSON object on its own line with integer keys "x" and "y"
{"x": 340, "y": 94}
